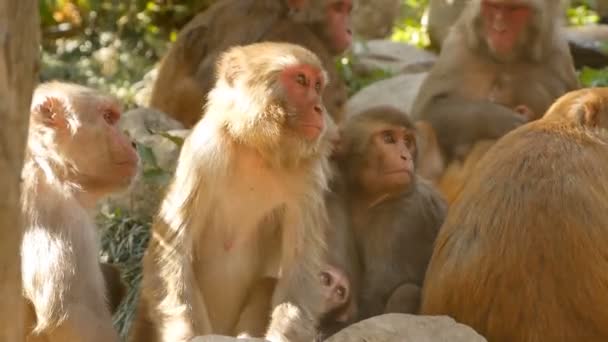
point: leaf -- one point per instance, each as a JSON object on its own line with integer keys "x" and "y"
{"x": 179, "y": 141}
{"x": 147, "y": 156}
{"x": 157, "y": 176}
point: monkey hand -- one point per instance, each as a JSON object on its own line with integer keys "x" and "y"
{"x": 525, "y": 111}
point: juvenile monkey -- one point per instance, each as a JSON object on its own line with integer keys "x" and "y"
{"x": 394, "y": 215}
{"x": 75, "y": 154}
{"x": 246, "y": 203}
{"x": 520, "y": 256}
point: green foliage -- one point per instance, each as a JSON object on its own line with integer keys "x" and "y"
{"x": 410, "y": 29}
{"x": 594, "y": 77}
{"x": 109, "y": 44}
{"x": 357, "y": 81}
{"x": 581, "y": 15}
{"x": 123, "y": 243}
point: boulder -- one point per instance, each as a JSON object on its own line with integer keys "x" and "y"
{"x": 394, "y": 57}
{"x": 220, "y": 338}
{"x": 407, "y": 328}
{"x": 399, "y": 92}
{"x": 589, "y": 45}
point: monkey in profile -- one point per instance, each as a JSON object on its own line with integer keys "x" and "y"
{"x": 75, "y": 154}
{"x": 246, "y": 204}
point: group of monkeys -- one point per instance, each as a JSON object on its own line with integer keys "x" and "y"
{"x": 290, "y": 219}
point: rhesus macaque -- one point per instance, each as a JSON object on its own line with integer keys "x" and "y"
{"x": 501, "y": 58}
{"x": 75, "y": 155}
{"x": 502, "y": 65}
{"x": 187, "y": 72}
{"x": 116, "y": 290}
{"x": 520, "y": 256}
{"x": 246, "y": 203}
{"x": 394, "y": 215}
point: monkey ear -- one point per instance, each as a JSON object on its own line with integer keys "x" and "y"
{"x": 51, "y": 112}
{"x": 588, "y": 112}
{"x": 230, "y": 67}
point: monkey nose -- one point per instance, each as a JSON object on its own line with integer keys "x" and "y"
{"x": 318, "y": 109}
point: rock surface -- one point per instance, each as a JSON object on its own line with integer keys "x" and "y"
{"x": 397, "y": 58}
{"x": 219, "y": 338}
{"x": 407, "y": 328}
{"x": 399, "y": 92}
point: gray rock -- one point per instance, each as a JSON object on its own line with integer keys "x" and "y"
{"x": 394, "y": 57}
{"x": 399, "y": 92}
{"x": 407, "y": 328}
{"x": 219, "y": 338}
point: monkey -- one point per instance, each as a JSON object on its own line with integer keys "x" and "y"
{"x": 519, "y": 255}
{"x": 393, "y": 214}
{"x": 187, "y": 69}
{"x": 116, "y": 290}
{"x": 246, "y": 203}
{"x": 502, "y": 58}
{"x": 75, "y": 154}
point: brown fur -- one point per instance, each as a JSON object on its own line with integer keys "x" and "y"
{"x": 393, "y": 230}
{"x": 520, "y": 256}
{"x": 469, "y": 97}
{"x": 245, "y": 203}
{"x": 70, "y": 162}
{"x": 187, "y": 73}
{"x": 116, "y": 290}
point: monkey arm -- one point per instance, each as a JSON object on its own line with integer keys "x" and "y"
{"x": 404, "y": 299}
{"x": 297, "y": 301}
{"x": 171, "y": 290}
{"x": 460, "y": 123}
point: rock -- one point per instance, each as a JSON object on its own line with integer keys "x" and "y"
{"x": 143, "y": 88}
{"x": 399, "y": 92}
{"x": 375, "y": 18}
{"x": 219, "y": 338}
{"x": 407, "y": 328}
{"x": 589, "y": 45}
{"x": 159, "y": 157}
{"x": 397, "y": 58}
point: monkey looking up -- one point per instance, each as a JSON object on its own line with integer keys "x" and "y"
{"x": 393, "y": 215}
{"x": 246, "y": 203}
{"x": 75, "y": 154}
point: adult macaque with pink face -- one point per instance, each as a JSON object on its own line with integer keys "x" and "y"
{"x": 502, "y": 65}
{"x": 240, "y": 234}
{"x": 188, "y": 71}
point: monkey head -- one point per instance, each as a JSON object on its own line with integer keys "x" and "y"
{"x": 329, "y": 19}
{"x": 74, "y": 132}
{"x": 378, "y": 152}
{"x": 510, "y": 29}
{"x": 272, "y": 92}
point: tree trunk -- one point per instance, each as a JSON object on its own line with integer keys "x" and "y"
{"x": 19, "y": 44}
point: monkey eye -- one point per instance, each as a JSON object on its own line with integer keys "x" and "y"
{"x": 318, "y": 86}
{"x": 408, "y": 140}
{"x": 388, "y": 137}
{"x": 110, "y": 116}
{"x": 301, "y": 79}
